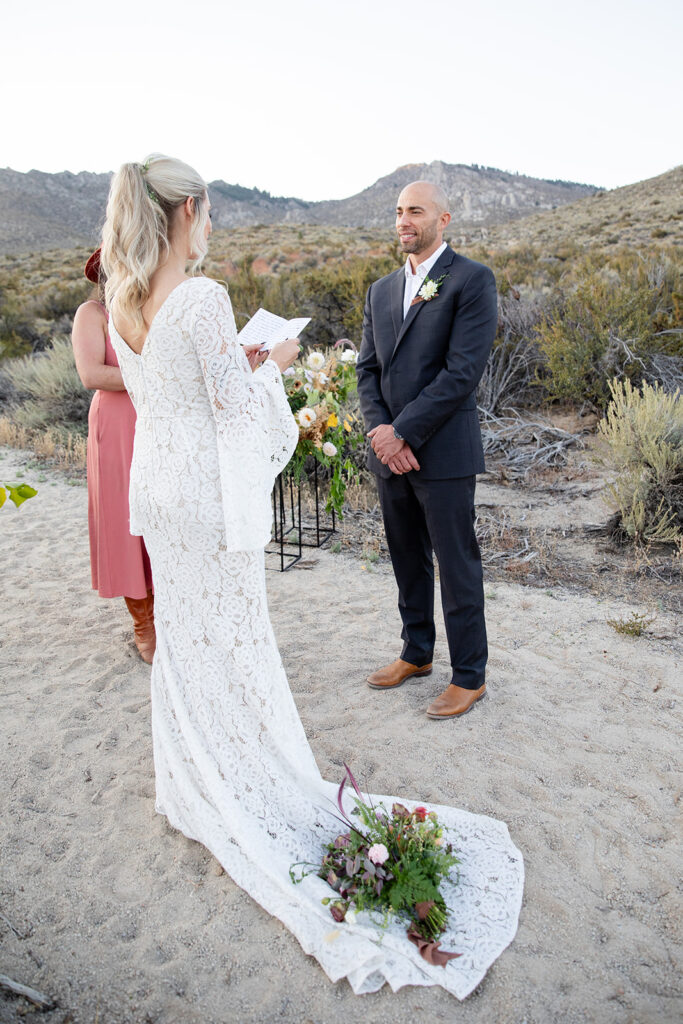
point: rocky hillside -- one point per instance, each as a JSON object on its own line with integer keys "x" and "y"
{"x": 635, "y": 215}
{"x": 45, "y": 211}
{"x": 478, "y": 195}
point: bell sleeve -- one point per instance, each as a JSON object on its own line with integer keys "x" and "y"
{"x": 255, "y": 430}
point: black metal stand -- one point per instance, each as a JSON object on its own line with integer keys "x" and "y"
{"x": 289, "y": 530}
{"x": 322, "y": 531}
{"x": 286, "y": 539}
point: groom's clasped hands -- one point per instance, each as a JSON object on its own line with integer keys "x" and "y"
{"x": 391, "y": 450}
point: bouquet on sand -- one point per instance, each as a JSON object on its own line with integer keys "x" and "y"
{"x": 391, "y": 863}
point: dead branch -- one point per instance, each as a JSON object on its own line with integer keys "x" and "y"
{"x": 40, "y": 1000}
{"x": 526, "y": 444}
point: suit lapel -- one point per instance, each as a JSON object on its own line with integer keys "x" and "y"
{"x": 397, "y": 290}
{"x": 440, "y": 267}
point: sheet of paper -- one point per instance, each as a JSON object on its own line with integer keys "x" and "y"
{"x": 266, "y": 329}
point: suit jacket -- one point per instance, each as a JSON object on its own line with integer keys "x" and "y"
{"x": 421, "y": 373}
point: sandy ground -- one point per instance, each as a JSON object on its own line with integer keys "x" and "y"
{"x": 119, "y": 919}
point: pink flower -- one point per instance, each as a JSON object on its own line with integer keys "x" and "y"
{"x": 420, "y": 813}
{"x": 378, "y": 853}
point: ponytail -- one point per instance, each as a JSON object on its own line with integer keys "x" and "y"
{"x": 135, "y": 240}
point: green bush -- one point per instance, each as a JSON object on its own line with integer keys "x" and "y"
{"x": 48, "y": 391}
{"x": 608, "y": 319}
{"x": 643, "y": 434}
{"x": 17, "y": 331}
{"x": 333, "y": 296}
{"x": 60, "y": 299}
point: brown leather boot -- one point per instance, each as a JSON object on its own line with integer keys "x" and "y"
{"x": 454, "y": 701}
{"x": 396, "y": 673}
{"x": 142, "y": 612}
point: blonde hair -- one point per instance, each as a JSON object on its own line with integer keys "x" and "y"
{"x": 142, "y": 199}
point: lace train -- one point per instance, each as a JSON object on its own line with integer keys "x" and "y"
{"x": 234, "y": 770}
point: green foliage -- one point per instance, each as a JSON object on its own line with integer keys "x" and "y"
{"x": 643, "y": 434}
{"x": 634, "y": 625}
{"x": 333, "y": 296}
{"x": 18, "y": 493}
{"x": 62, "y": 298}
{"x": 609, "y": 317}
{"x": 17, "y": 333}
{"x": 49, "y": 390}
{"x": 322, "y": 390}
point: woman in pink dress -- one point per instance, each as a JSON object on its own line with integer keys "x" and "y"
{"x": 119, "y": 562}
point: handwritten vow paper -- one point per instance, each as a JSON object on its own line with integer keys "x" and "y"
{"x": 266, "y": 329}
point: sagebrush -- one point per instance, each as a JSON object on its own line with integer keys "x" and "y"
{"x": 643, "y": 436}
{"x": 47, "y": 391}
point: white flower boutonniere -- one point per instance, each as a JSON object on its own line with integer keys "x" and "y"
{"x": 429, "y": 289}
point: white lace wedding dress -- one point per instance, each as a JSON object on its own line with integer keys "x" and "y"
{"x": 233, "y": 767}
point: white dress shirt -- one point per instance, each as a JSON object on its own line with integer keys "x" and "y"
{"x": 414, "y": 281}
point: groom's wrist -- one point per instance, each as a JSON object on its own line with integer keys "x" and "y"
{"x": 399, "y": 437}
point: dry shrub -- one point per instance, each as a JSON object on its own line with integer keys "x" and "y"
{"x": 47, "y": 390}
{"x": 643, "y": 433}
{"x": 68, "y": 451}
{"x": 634, "y": 625}
{"x": 510, "y": 375}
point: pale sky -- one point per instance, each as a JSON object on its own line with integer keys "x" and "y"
{"x": 318, "y": 101}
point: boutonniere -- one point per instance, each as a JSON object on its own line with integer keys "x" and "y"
{"x": 429, "y": 289}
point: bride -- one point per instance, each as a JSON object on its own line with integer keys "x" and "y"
{"x": 234, "y": 770}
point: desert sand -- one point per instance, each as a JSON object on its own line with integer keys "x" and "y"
{"x": 118, "y": 918}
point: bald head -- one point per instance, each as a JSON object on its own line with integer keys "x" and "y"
{"x": 426, "y": 191}
{"x": 421, "y": 218}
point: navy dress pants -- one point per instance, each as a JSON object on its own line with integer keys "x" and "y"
{"x": 422, "y": 517}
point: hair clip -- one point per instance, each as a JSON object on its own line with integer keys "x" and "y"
{"x": 152, "y": 194}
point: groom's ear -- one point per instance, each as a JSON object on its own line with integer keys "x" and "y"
{"x": 445, "y": 220}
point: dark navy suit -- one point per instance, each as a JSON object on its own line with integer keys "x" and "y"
{"x": 420, "y": 374}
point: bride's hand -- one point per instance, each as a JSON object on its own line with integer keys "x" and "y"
{"x": 285, "y": 353}
{"x": 254, "y": 355}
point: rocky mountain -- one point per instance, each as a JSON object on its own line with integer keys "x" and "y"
{"x": 478, "y": 196}
{"x": 636, "y": 215}
{"x": 44, "y": 211}
{"x": 47, "y": 211}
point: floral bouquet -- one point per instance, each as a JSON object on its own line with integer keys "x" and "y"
{"x": 392, "y": 863}
{"x": 318, "y": 390}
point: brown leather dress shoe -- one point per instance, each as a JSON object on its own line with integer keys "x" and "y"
{"x": 396, "y": 673}
{"x": 454, "y": 701}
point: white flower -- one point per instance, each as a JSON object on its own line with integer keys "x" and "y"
{"x": 428, "y": 290}
{"x": 307, "y": 417}
{"x": 349, "y": 356}
{"x": 378, "y": 853}
{"x": 329, "y": 449}
{"x": 289, "y": 372}
{"x": 316, "y": 360}
{"x": 350, "y": 917}
{"x": 320, "y": 380}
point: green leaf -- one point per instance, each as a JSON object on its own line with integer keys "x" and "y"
{"x": 3, "y": 496}
{"x": 19, "y": 493}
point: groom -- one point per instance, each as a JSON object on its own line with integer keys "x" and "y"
{"x": 427, "y": 333}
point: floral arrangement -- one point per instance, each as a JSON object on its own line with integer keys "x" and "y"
{"x": 318, "y": 389}
{"x": 392, "y": 863}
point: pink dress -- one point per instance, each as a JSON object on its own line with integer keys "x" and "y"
{"x": 119, "y": 562}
